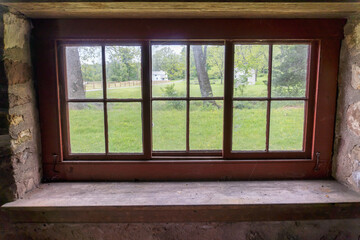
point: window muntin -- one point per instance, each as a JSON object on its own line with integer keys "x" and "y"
{"x": 188, "y": 140}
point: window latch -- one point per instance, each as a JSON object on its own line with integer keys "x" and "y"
{"x": 317, "y": 161}
{"x": 55, "y": 158}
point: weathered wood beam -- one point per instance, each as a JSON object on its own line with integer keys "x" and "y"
{"x": 185, "y": 202}
{"x": 175, "y": 9}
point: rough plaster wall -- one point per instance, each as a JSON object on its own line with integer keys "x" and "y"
{"x": 346, "y": 162}
{"x": 19, "y": 143}
{"x": 301, "y": 230}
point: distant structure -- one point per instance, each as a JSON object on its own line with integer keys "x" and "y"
{"x": 159, "y": 76}
{"x": 251, "y": 78}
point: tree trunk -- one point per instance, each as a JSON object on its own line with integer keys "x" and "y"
{"x": 221, "y": 77}
{"x": 203, "y": 77}
{"x": 74, "y": 76}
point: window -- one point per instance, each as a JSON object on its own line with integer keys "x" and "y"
{"x": 182, "y": 102}
{"x": 104, "y": 90}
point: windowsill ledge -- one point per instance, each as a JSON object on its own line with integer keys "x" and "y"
{"x": 186, "y": 202}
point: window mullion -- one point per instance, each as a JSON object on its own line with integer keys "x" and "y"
{"x": 106, "y": 131}
{"x": 228, "y": 95}
{"x": 187, "y": 98}
{"x": 269, "y": 97}
{"x": 146, "y": 95}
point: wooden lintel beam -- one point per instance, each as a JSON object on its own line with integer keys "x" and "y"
{"x": 135, "y": 9}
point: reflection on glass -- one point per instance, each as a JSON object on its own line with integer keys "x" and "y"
{"x": 123, "y": 71}
{"x": 206, "y": 71}
{"x": 206, "y": 125}
{"x": 169, "y": 125}
{"x": 125, "y": 127}
{"x": 83, "y": 72}
{"x": 168, "y": 70}
{"x": 86, "y": 128}
{"x": 289, "y": 70}
{"x": 249, "y": 126}
{"x": 286, "y": 125}
{"x": 251, "y": 70}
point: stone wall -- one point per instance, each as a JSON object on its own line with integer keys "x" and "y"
{"x": 301, "y": 230}
{"x": 20, "y": 166}
{"x": 346, "y": 158}
{"x": 7, "y": 181}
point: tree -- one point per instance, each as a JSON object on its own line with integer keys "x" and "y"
{"x": 166, "y": 59}
{"x": 123, "y": 63}
{"x": 90, "y": 62}
{"x": 201, "y": 71}
{"x": 91, "y": 72}
{"x": 289, "y": 70}
{"x": 73, "y": 74}
{"x": 216, "y": 61}
{"x": 249, "y": 59}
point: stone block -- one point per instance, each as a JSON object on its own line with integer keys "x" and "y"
{"x": 22, "y": 156}
{"x": 353, "y": 118}
{"x": 15, "y": 119}
{"x": 22, "y": 137}
{"x": 30, "y": 184}
{"x": 355, "y": 153}
{"x": 18, "y": 54}
{"x": 355, "y": 179}
{"x": 355, "y": 80}
{"x": 17, "y": 72}
{"x": 20, "y": 94}
{"x": 16, "y": 99}
{"x": 16, "y": 31}
{"x": 352, "y": 34}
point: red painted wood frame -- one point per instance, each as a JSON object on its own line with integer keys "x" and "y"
{"x": 324, "y": 36}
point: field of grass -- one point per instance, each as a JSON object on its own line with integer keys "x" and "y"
{"x": 258, "y": 90}
{"x": 169, "y": 123}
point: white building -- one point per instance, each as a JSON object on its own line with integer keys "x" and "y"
{"x": 159, "y": 76}
{"x": 251, "y": 79}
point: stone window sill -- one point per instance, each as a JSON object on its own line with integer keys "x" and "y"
{"x": 185, "y": 202}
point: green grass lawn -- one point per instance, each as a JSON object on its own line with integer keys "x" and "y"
{"x": 169, "y": 123}
{"x": 259, "y": 90}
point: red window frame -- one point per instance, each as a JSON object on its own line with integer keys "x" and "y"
{"x": 323, "y": 35}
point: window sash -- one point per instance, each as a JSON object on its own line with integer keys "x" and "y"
{"x": 147, "y": 99}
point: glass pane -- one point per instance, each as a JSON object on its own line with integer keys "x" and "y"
{"x": 286, "y": 125}
{"x": 206, "y": 125}
{"x": 168, "y": 70}
{"x": 169, "y": 125}
{"x": 123, "y": 71}
{"x": 84, "y": 72}
{"x": 251, "y": 70}
{"x": 206, "y": 71}
{"x": 125, "y": 127}
{"x": 249, "y": 125}
{"x": 86, "y": 128}
{"x": 289, "y": 70}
